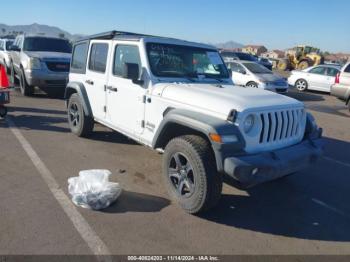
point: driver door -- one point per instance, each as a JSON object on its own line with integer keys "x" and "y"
{"x": 125, "y": 99}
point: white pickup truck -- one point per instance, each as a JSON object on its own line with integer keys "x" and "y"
{"x": 177, "y": 97}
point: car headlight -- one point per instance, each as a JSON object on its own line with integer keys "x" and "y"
{"x": 34, "y": 63}
{"x": 248, "y": 123}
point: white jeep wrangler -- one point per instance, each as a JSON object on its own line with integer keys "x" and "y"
{"x": 177, "y": 97}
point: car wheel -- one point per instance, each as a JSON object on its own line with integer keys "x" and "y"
{"x": 80, "y": 124}
{"x": 12, "y": 76}
{"x": 190, "y": 173}
{"x": 252, "y": 85}
{"x": 301, "y": 85}
{"x": 3, "y": 111}
{"x": 25, "y": 89}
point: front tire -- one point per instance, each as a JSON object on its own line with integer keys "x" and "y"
{"x": 26, "y": 90}
{"x": 80, "y": 124}
{"x": 190, "y": 173}
{"x": 301, "y": 85}
{"x": 303, "y": 65}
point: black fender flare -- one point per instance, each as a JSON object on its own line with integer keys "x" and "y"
{"x": 79, "y": 88}
{"x": 205, "y": 125}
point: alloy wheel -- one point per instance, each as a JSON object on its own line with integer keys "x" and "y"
{"x": 180, "y": 173}
{"x": 74, "y": 115}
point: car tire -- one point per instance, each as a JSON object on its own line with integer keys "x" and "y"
{"x": 190, "y": 173}
{"x": 301, "y": 85}
{"x": 26, "y": 90}
{"x": 13, "y": 79}
{"x": 252, "y": 84}
{"x": 79, "y": 122}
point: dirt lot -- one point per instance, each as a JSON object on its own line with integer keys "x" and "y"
{"x": 307, "y": 213}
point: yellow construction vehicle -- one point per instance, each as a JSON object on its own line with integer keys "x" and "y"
{"x": 301, "y": 57}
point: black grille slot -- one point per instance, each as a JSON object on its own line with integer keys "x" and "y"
{"x": 58, "y": 66}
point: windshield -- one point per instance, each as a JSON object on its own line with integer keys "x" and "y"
{"x": 8, "y": 44}
{"x": 168, "y": 60}
{"x": 43, "y": 44}
{"x": 256, "y": 68}
{"x": 247, "y": 57}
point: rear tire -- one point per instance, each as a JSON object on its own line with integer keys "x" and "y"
{"x": 26, "y": 90}
{"x": 252, "y": 84}
{"x": 189, "y": 170}
{"x": 301, "y": 85}
{"x": 13, "y": 78}
{"x": 80, "y": 124}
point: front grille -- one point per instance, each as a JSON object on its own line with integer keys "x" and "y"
{"x": 281, "y": 125}
{"x": 281, "y": 90}
{"x": 58, "y": 66}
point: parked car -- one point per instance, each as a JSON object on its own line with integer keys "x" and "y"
{"x": 265, "y": 62}
{"x": 318, "y": 78}
{"x": 4, "y": 52}
{"x": 177, "y": 97}
{"x": 42, "y": 62}
{"x": 251, "y": 74}
{"x": 241, "y": 56}
{"x": 341, "y": 88}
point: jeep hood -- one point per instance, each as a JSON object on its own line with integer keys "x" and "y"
{"x": 221, "y": 100}
{"x": 50, "y": 56}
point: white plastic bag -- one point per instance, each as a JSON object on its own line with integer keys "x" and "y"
{"x": 92, "y": 189}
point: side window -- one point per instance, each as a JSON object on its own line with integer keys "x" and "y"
{"x": 79, "y": 58}
{"x": 98, "y": 57}
{"x": 318, "y": 70}
{"x": 237, "y": 68}
{"x": 125, "y": 54}
{"x": 347, "y": 69}
{"x": 332, "y": 71}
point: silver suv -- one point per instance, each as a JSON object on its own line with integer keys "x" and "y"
{"x": 42, "y": 62}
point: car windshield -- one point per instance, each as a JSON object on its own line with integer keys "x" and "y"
{"x": 43, "y": 44}
{"x": 8, "y": 44}
{"x": 167, "y": 60}
{"x": 256, "y": 68}
{"x": 247, "y": 57}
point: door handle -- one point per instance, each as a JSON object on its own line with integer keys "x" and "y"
{"x": 90, "y": 82}
{"x": 111, "y": 88}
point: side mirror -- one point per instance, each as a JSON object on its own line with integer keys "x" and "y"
{"x": 15, "y": 48}
{"x": 132, "y": 72}
{"x": 243, "y": 72}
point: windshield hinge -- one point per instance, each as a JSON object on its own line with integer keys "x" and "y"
{"x": 105, "y": 109}
{"x": 144, "y": 99}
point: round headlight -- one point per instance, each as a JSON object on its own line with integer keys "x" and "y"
{"x": 248, "y": 123}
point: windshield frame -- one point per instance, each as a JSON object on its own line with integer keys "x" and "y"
{"x": 47, "y": 39}
{"x": 191, "y": 75}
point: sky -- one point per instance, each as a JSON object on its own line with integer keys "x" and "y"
{"x": 277, "y": 24}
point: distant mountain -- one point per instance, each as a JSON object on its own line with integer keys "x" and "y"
{"x": 229, "y": 45}
{"x": 36, "y": 29}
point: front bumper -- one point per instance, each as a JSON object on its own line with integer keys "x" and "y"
{"x": 255, "y": 169}
{"x": 46, "y": 80}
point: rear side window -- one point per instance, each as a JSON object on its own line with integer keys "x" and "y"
{"x": 98, "y": 57}
{"x": 332, "y": 71}
{"x": 79, "y": 58}
{"x": 347, "y": 69}
{"x": 125, "y": 54}
{"x": 318, "y": 70}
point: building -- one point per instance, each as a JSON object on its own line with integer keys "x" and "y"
{"x": 275, "y": 54}
{"x": 254, "y": 49}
